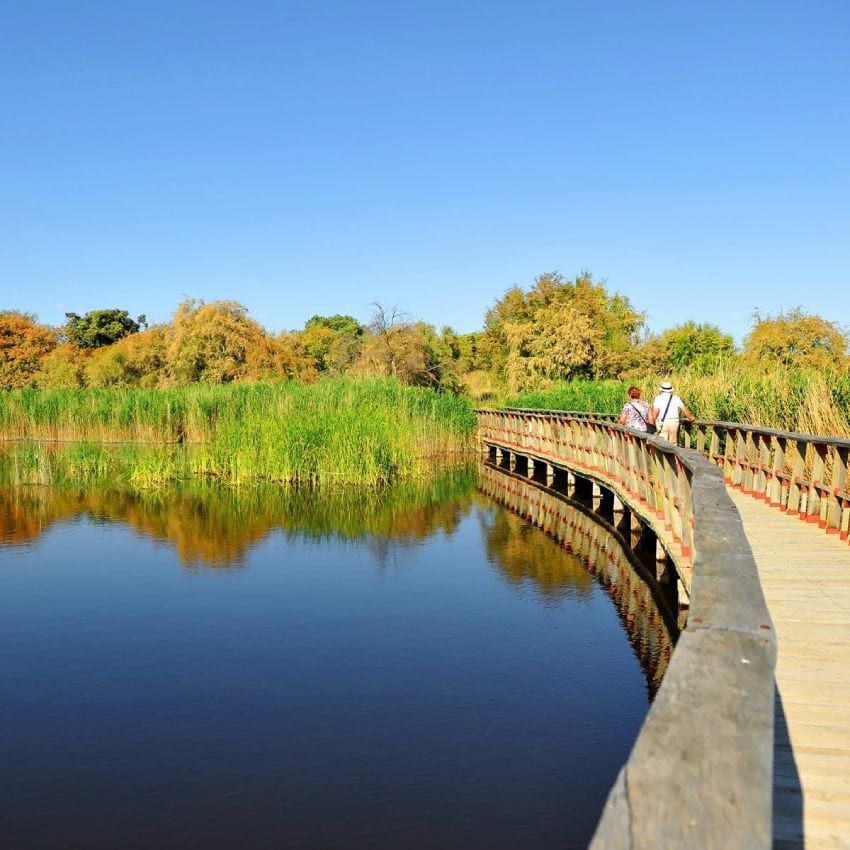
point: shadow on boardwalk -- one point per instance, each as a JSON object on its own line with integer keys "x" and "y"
{"x": 787, "y": 791}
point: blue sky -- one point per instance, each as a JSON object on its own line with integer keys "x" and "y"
{"x": 315, "y": 157}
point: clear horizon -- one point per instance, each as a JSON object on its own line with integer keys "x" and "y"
{"x": 305, "y": 160}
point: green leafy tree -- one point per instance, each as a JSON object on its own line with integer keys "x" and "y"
{"x": 332, "y": 341}
{"x": 101, "y": 327}
{"x": 467, "y": 346}
{"x": 699, "y": 347}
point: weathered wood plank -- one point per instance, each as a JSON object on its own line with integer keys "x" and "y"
{"x": 805, "y": 576}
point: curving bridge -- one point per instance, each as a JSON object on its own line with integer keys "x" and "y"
{"x": 743, "y": 747}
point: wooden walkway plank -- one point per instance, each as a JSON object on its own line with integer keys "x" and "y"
{"x": 805, "y": 575}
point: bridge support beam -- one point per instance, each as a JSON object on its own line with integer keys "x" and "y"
{"x": 624, "y": 522}
{"x": 644, "y": 541}
{"x": 582, "y": 489}
{"x": 540, "y": 471}
{"x": 606, "y": 503}
{"x": 560, "y": 479}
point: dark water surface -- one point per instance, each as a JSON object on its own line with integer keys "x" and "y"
{"x": 274, "y": 669}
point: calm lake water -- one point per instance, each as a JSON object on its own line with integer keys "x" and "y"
{"x": 197, "y": 667}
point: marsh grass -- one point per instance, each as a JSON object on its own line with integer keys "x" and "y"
{"x": 792, "y": 400}
{"x": 368, "y": 431}
{"x": 594, "y": 396}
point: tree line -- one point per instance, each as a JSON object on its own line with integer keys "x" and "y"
{"x": 557, "y": 329}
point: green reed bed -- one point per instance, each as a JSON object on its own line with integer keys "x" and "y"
{"x": 594, "y": 396}
{"x": 103, "y": 415}
{"x": 789, "y": 399}
{"x": 350, "y": 431}
{"x": 25, "y": 463}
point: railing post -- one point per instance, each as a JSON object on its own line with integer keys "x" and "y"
{"x": 714, "y": 444}
{"x": 657, "y": 479}
{"x": 668, "y": 489}
{"x": 837, "y": 497}
{"x": 687, "y": 511}
{"x": 760, "y": 479}
{"x": 778, "y": 489}
{"x": 748, "y": 463}
{"x": 795, "y": 483}
{"x": 817, "y": 505}
{"x": 729, "y": 443}
{"x": 813, "y": 504}
{"x": 699, "y": 430}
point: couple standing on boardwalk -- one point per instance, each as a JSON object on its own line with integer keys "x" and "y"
{"x": 667, "y": 409}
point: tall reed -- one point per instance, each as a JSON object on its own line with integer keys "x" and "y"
{"x": 595, "y": 396}
{"x": 352, "y": 431}
{"x": 792, "y": 400}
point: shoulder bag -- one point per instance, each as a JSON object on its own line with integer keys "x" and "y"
{"x": 650, "y": 428}
{"x": 666, "y": 411}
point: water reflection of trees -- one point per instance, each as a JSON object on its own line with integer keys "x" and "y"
{"x": 525, "y": 555}
{"x": 215, "y": 526}
{"x": 595, "y": 550}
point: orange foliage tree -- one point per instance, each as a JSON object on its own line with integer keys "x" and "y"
{"x": 23, "y": 346}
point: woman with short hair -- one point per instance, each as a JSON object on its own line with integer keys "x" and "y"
{"x": 635, "y": 413}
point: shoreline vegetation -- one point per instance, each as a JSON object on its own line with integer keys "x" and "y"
{"x": 213, "y": 393}
{"x": 363, "y": 432}
{"x": 786, "y": 399}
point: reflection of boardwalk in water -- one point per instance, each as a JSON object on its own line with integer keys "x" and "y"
{"x": 646, "y": 616}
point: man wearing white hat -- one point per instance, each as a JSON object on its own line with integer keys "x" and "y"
{"x": 667, "y": 410}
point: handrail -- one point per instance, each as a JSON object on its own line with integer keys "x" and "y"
{"x": 803, "y": 475}
{"x": 700, "y": 772}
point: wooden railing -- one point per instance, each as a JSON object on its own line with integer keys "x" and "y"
{"x": 701, "y": 771}
{"x": 800, "y": 474}
{"x": 803, "y": 475}
{"x": 652, "y": 475}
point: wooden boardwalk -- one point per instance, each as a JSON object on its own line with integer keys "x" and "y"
{"x": 806, "y": 579}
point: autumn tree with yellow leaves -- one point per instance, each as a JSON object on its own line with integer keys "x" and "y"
{"x": 559, "y": 330}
